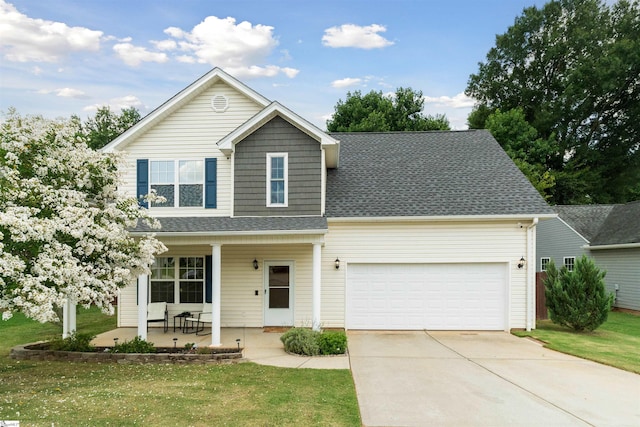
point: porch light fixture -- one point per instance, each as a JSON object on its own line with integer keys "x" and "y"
{"x": 337, "y": 263}
{"x": 521, "y": 263}
{"x": 255, "y": 264}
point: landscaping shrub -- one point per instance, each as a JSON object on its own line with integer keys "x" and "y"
{"x": 577, "y": 299}
{"x": 312, "y": 343}
{"x": 301, "y": 341}
{"x": 74, "y": 342}
{"x": 332, "y": 342}
{"x": 136, "y": 345}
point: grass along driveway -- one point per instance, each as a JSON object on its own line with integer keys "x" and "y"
{"x": 86, "y": 394}
{"x": 615, "y": 343}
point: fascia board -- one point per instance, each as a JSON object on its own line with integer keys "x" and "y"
{"x": 179, "y": 99}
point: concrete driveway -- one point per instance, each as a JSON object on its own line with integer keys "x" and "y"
{"x": 484, "y": 379}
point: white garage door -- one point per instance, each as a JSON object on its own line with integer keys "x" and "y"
{"x": 427, "y": 296}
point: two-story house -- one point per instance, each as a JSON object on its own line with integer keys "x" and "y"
{"x": 271, "y": 221}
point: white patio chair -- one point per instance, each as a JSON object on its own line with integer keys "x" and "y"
{"x": 157, "y": 312}
{"x": 200, "y": 319}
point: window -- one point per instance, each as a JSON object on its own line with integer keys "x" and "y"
{"x": 277, "y": 179}
{"x": 544, "y": 263}
{"x": 569, "y": 262}
{"x": 181, "y": 283}
{"x": 189, "y": 175}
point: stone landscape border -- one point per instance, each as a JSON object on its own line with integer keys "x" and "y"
{"x": 38, "y": 351}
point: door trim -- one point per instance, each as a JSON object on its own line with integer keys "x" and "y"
{"x": 288, "y": 319}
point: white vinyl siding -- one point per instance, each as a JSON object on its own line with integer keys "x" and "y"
{"x": 239, "y": 305}
{"x": 191, "y": 133}
{"x": 421, "y": 242}
{"x": 454, "y": 242}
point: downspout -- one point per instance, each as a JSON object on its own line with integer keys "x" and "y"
{"x": 531, "y": 263}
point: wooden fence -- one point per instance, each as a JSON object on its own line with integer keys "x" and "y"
{"x": 541, "y": 302}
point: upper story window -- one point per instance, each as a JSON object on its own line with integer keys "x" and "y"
{"x": 544, "y": 263}
{"x": 277, "y": 179}
{"x": 181, "y": 182}
{"x": 570, "y": 262}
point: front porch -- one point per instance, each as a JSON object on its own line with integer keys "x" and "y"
{"x": 259, "y": 345}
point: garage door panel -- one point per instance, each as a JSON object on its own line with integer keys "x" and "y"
{"x": 427, "y": 296}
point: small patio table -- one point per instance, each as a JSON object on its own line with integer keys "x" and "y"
{"x": 180, "y": 318}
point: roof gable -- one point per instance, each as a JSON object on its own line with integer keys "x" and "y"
{"x": 328, "y": 143}
{"x": 622, "y": 226}
{"x": 180, "y": 99}
{"x": 586, "y": 220}
{"x": 428, "y": 174}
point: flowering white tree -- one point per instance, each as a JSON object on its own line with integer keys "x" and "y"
{"x": 63, "y": 222}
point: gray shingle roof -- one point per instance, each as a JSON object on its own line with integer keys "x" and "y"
{"x": 621, "y": 226}
{"x": 585, "y": 219}
{"x": 427, "y": 174}
{"x": 245, "y": 224}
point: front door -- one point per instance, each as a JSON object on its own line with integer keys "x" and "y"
{"x": 278, "y": 280}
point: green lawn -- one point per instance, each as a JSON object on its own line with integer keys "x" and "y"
{"x": 83, "y": 394}
{"x": 615, "y": 343}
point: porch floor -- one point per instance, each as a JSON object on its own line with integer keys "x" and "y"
{"x": 260, "y": 346}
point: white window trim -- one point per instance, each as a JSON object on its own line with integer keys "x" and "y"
{"x": 548, "y": 259}
{"x": 176, "y": 183}
{"x": 286, "y": 180}
{"x": 564, "y": 262}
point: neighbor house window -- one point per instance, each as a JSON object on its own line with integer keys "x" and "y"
{"x": 277, "y": 179}
{"x": 180, "y": 182}
{"x": 544, "y": 263}
{"x": 177, "y": 280}
{"x": 570, "y": 262}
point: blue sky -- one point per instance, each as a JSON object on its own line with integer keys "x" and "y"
{"x": 68, "y": 57}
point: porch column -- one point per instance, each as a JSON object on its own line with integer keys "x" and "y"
{"x": 142, "y": 306}
{"x": 316, "y": 288}
{"x": 216, "y": 266}
{"x": 71, "y": 302}
{"x": 65, "y": 318}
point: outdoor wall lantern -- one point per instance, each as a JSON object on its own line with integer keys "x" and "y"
{"x": 337, "y": 263}
{"x": 521, "y": 263}
{"x": 255, "y": 264}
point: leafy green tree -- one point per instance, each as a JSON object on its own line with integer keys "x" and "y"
{"x": 107, "y": 125}
{"x": 530, "y": 153}
{"x": 376, "y": 112}
{"x": 573, "y": 66}
{"x": 577, "y": 299}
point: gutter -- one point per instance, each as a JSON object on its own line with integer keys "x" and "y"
{"x": 616, "y": 246}
{"x": 441, "y": 218}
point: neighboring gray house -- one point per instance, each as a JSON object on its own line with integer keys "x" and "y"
{"x": 610, "y": 234}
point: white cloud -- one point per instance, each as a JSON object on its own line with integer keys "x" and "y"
{"x": 165, "y": 44}
{"x": 68, "y": 92}
{"x": 65, "y": 92}
{"x": 36, "y": 70}
{"x": 350, "y": 35}
{"x": 25, "y": 39}
{"x": 135, "y": 55}
{"x": 118, "y": 104}
{"x": 346, "y": 82}
{"x": 458, "y": 101}
{"x": 237, "y": 48}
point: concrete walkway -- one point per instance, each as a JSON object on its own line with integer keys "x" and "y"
{"x": 484, "y": 379}
{"x": 264, "y": 348}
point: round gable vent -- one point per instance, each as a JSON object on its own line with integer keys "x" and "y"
{"x": 219, "y": 103}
